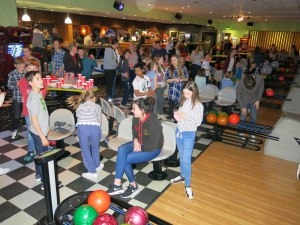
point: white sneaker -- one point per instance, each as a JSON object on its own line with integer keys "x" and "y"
{"x": 241, "y": 136}
{"x": 158, "y": 117}
{"x": 252, "y": 138}
{"x": 14, "y": 134}
{"x": 4, "y": 170}
{"x": 189, "y": 192}
{"x": 90, "y": 175}
{"x": 100, "y": 167}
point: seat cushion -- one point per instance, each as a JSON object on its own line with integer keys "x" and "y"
{"x": 114, "y": 143}
{"x": 55, "y": 136}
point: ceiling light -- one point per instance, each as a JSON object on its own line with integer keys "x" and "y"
{"x": 240, "y": 19}
{"x": 118, "y": 5}
{"x": 68, "y": 19}
{"x": 26, "y": 17}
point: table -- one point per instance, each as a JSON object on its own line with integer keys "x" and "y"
{"x": 69, "y": 89}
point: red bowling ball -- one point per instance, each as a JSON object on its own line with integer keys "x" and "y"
{"x": 269, "y": 92}
{"x": 105, "y": 219}
{"x": 136, "y": 215}
{"x": 234, "y": 119}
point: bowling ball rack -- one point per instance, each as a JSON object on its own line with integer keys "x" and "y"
{"x": 65, "y": 211}
{"x": 222, "y": 134}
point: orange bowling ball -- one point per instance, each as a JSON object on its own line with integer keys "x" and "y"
{"x": 211, "y": 118}
{"x": 100, "y": 200}
{"x": 222, "y": 120}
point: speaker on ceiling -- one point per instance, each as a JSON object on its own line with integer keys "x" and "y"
{"x": 178, "y": 16}
{"x": 250, "y": 24}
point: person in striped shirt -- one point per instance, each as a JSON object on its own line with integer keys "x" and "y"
{"x": 88, "y": 114}
{"x": 189, "y": 116}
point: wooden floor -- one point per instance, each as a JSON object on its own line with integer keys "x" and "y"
{"x": 236, "y": 186}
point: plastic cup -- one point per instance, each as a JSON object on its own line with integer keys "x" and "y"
{"x": 61, "y": 80}
{"x": 48, "y": 76}
{"x": 83, "y": 79}
{"x": 92, "y": 82}
{"x": 88, "y": 84}
{"x": 84, "y": 85}
{"x": 48, "y": 80}
{"x": 58, "y": 84}
{"x": 78, "y": 83}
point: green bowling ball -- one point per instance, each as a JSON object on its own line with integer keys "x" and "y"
{"x": 84, "y": 215}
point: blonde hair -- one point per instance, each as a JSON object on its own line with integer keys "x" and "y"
{"x": 75, "y": 100}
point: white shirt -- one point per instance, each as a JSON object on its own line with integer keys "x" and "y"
{"x": 196, "y": 59}
{"x": 141, "y": 84}
{"x": 87, "y": 40}
{"x": 205, "y": 65}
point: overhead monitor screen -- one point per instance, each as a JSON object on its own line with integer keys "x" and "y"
{"x": 15, "y": 49}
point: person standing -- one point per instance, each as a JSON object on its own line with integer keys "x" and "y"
{"x": 39, "y": 118}
{"x": 37, "y": 39}
{"x": 55, "y": 35}
{"x": 31, "y": 65}
{"x": 158, "y": 50}
{"x": 147, "y": 143}
{"x": 89, "y": 116}
{"x": 110, "y": 64}
{"x": 249, "y": 93}
{"x": 123, "y": 67}
{"x": 27, "y": 51}
{"x": 197, "y": 57}
{"x": 14, "y": 78}
{"x": 176, "y": 76}
{"x": 189, "y": 116}
{"x": 57, "y": 58}
{"x": 87, "y": 41}
{"x": 133, "y": 59}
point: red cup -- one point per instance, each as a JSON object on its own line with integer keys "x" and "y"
{"x": 78, "y": 83}
{"x": 58, "y": 84}
{"x": 61, "y": 80}
{"x": 83, "y": 79}
{"x": 84, "y": 85}
{"x": 88, "y": 84}
{"x": 48, "y": 80}
{"x": 48, "y": 76}
{"x": 45, "y": 82}
{"x": 92, "y": 82}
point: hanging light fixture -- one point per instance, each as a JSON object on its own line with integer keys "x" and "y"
{"x": 240, "y": 18}
{"x": 68, "y": 19}
{"x": 26, "y": 17}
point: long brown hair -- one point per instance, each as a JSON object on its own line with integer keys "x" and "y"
{"x": 179, "y": 68}
{"x": 161, "y": 68}
{"x": 191, "y": 86}
{"x": 75, "y": 100}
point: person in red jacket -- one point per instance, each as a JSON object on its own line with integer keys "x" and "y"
{"x": 31, "y": 65}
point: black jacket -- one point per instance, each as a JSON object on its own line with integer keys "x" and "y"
{"x": 152, "y": 136}
{"x": 72, "y": 67}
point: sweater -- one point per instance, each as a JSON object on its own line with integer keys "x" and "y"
{"x": 245, "y": 96}
{"x": 149, "y": 133}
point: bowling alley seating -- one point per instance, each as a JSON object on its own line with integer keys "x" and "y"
{"x": 226, "y": 97}
{"x": 216, "y": 89}
{"x": 62, "y": 125}
{"x": 213, "y": 71}
{"x": 207, "y": 93}
{"x": 107, "y": 110}
{"x": 274, "y": 64}
{"x": 104, "y": 127}
{"x": 168, "y": 149}
{"x": 118, "y": 114}
{"x": 123, "y": 136}
{"x": 218, "y": 76}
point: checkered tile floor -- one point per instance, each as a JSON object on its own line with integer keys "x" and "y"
{"x": 22, "y": 200}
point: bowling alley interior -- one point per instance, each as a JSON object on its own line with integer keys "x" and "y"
{"x": 212, "y": 86}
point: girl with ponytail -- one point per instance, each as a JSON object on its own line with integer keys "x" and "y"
{"x": 88, "y": 114}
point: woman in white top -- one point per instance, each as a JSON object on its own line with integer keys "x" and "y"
{"x": 196, "y": 57}
{"x": 189, "y": 117}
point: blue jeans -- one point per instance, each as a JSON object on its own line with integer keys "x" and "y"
{"x": 185, "y": 144}
{"x": 89, "y": 140}
{"x": 253, "y": 113}
{"x": 30, "y": 140}
{"x": 125, "y": 87}
{"x": 126, "y": 157}
{"x": 39, "y": 149}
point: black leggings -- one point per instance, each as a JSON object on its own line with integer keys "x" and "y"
{"x": 172, "y": 105}
{"x": 110, "y": 76}
{"x": 15, "y": 114}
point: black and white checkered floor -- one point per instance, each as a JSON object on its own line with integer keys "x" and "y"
{"x": 22, "y": 200}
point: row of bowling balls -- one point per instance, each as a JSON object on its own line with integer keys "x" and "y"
{"x": 93, "y": 213}
{"x": 222, "y": 118}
